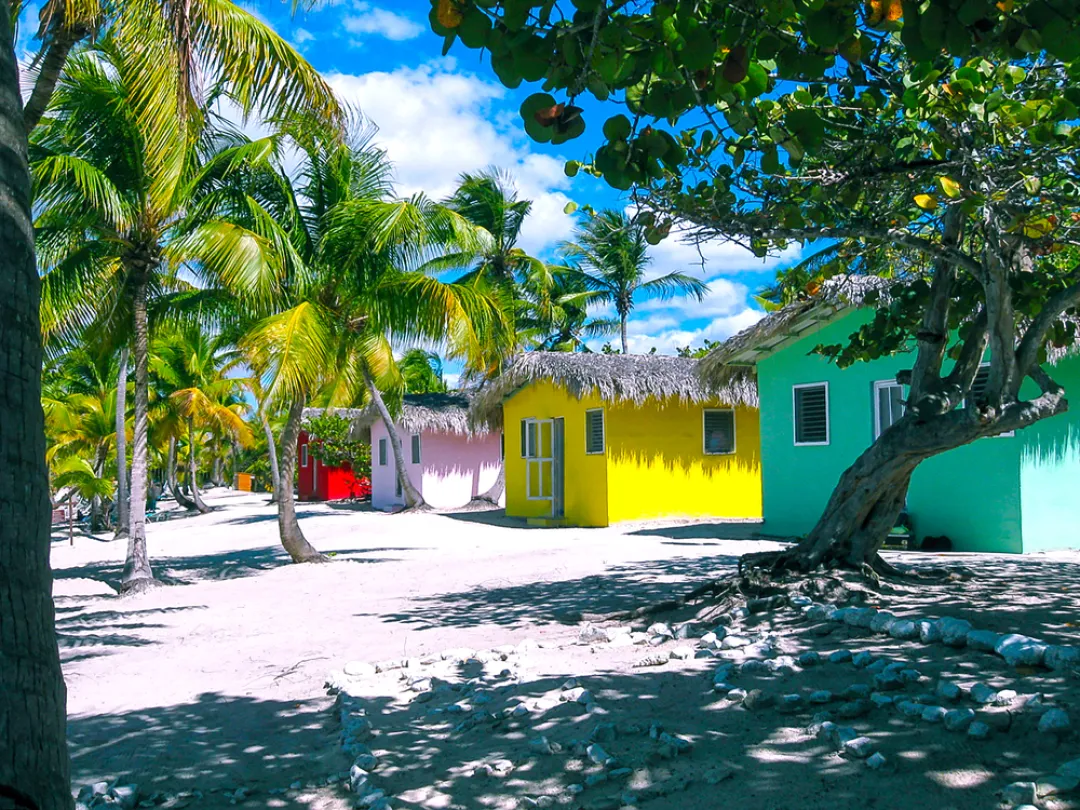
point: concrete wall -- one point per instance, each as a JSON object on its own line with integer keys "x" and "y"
{"x": 971, "y": 494}
{"x": 654, "y": 464}
{"x": 452, "y": 469}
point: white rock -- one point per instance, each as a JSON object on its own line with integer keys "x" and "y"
{"x": 904, "y": 630}
{"x": 934, "y": 714}
{"x": 875, "y": 761}
{"x": 860, "y": 747}
{"x": 958, "y": 719}
{"x": 591, "y": 634}
{"x": 947, "y": 690}
{"x": 1055, "y": 721}
{"x": 860, "y": 617}
{"x": 599, "y": 755}
{"x": 660, "y": 629}
{"x": 978, "y": 730}
{"x": 882, "y": 622}
{"x": 1020, "y": 650}
{"x": 734, "y": 642}
{"x": 954, "y": 631}
{"x": 929, "y": 632}
{"x": 682, "y": 653}
{"x": 1019, "y": 793}
{"x": 1056, "y": 784}
{"x": 983, "y": 694}
{"x": 1062, "y": 658}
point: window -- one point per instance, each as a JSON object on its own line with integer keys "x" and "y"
{"x": 594, "y": 431}
{"x": 888, "y": 405}
{"x": 529, "y": 448}
{"x": 303, "y": 456}
{"x": 811, "y": 403}
{"x": 382, "y": 452}
{"x": 719, "y": 432}
{"x": 416, "y": 448}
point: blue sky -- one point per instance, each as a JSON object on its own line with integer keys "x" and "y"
{"x": 440, "y": 116}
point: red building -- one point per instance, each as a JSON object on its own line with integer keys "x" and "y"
{"x": 317, "y": 482}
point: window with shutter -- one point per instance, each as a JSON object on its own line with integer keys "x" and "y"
{"x": 719, "y": 428}
{"x": 811, "y": 413}
{"x": 382, "y": 452}
{"x": 594, "y": 431}
{"x": 416, "y": 449}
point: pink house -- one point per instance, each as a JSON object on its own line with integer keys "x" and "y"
{"x": 448, "y": 460}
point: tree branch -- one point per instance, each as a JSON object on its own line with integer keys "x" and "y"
{"x": 1054, "y": 308}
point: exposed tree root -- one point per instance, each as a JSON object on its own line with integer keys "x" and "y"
{"x": 141, "y": 585}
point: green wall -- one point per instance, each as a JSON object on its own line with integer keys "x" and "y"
{"x": 1050, "y": 472}
{"x": 971, "y": 494}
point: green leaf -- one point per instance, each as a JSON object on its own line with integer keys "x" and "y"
{"x": 617, "y": 128}
{"x": 570, "y": 208}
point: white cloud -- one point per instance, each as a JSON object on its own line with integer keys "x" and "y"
{"x": 675, "y": 253}
{"x": 371, "y": 20}
{"x": 302, "y": 35}
{"x": 451, "y": 380}
{"x": 436, "y": 123}
{"x": 668, "y": 340}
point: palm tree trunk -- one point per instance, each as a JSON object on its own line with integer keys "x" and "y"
{"x": 62, "y": 41}
{"x": 34, "y": 761}
{"x": 97, "y": 524}
{"x": 495, "y": 491}
{"x": 292, "y": 537}
{"x": 271, "y": 448}
{"x": 138, "y": 575}
{"x": 193, "y": 469}
{"x": 413, "y": 499}
{"x": 174, "y": 484}
{"x": 622, "y": 329}
{"x": 123, "y": 506}
{"x": 218, "y": 477}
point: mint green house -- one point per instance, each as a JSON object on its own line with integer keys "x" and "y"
{"x": 1013, "y": 493}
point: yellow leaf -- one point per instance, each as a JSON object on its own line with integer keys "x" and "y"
{"x": 1005, "y": 5}
{"x": 448, "y": 14}
{"x": 949, "y": 187}
{"x": 927, "y": 202}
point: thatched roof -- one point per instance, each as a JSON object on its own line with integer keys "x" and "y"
{"x": 613, "y": 377}
{"x": 733, "y": 361}
{"x": 420, "y": 413}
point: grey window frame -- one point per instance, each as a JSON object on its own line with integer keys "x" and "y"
{"x": 704, "y": 434}
{"x": 795, "y": 414}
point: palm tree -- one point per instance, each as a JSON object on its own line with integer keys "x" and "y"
{"x": 206, "y": 399}
{"x": 610, "y": 255}
{"x": 250, "y": 63}
{"x": 334, "y": 339}
{"x": 556, "y": 317}
{"x": 118, "y": 221}
{"x": 422, "y": 372}
{"x": 35, "y": 765}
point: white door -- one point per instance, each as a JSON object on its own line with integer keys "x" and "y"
{"x": 540, "y": 461}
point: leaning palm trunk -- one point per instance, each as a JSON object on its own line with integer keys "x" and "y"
{"x": 174, "y": 483}
{"x": 292, "y": 537}
{"x": 123, "y": 507}
{"x": 275, "y": 472}
{"x": 137, "y": 574}
{"x": 413, "y": 499}
{"x": 193, "y": 470}
{"x": 494, "y": 492}
{"x": 34, "y": 761}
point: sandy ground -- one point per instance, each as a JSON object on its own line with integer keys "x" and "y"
{"x": 217, "y": 682}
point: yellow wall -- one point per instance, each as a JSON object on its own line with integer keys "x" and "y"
{"x": 653, "y": 465}
{"x": 585, "y": 476}
{"x": 657, "y": 466}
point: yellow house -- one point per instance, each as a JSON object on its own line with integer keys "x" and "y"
{"x": 593, "y": 439}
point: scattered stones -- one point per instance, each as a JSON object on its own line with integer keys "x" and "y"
{"x": 983, "y": 694}
{"x": 947, "y": 690}
{"x": 854, "y": 708}
{"x": 789, "y": 704}
{"x": 756, "y": 699}
{"x": 671, "y": 745}
{"x": 909, "y": 708}
{"x": 1019, "y": 793}
{"x": 655, "y": 659}
{"x": 978, "y": 730}
{"x": 1055, "y": 721}
{"x": 737, "y": 695}
{"x": 660, "y": 629}
{"x": 859, "y": 748}
{"x": 753, "y": 667}
{"x": 734, "y": 642}
{"x": 859, "y": 617}
{"x": 862, "y": 659}
{"x": 809, "y": 659}
{"x": 954, "y": 632}
{"x": 840, "y": 657}
{"x": 910, "y": 675}
{"x": 1018, "y": 650}
{"x": 929, "y": 632}
{"x": 710, "y": 641}
{"x": 880, "y": 700}
{"x": 598, "y": 755}
{"x": 688, "y": 630}
{"x": 934, "y": 714}
{"x": 1056, "y": 784}
{"x": 889, "y": 680}
{"x": 983, "y": 640}
{"x": 882, "y": 621}
{"x": 1062, "y": 658}
{"x": 821, "y": 696}
{"x": 875, "y": 761}
{"x": 798, "y": 600}
{"x": 958, "y": 719}
{"x": 904, "y": 630}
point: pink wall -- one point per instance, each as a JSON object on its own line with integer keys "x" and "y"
{"x": 452, "y": 469}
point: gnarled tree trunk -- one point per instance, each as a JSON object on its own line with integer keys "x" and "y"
{"x": 123, "y": 506}
{"x": 34, "y": 762}
{"x": 292, "y": 537}
{"x": 413, "y": 499}
{"x": 137, "y": 574}
{"x": 271, "y": 449}
{"x": 193, "y": 470}
{"x": 171, "y": 477}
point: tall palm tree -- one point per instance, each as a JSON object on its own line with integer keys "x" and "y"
{"x": 250, "y": 62}
{"x": 196, "y": 366}
{"x": 556, "y": 317}
{"x": 610, "y": 255}
{"x": 422, "y": 372}
{"x": 334, "y": 340}
{"x": 119, "y": 221}
{"x": 34, "y": 757}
